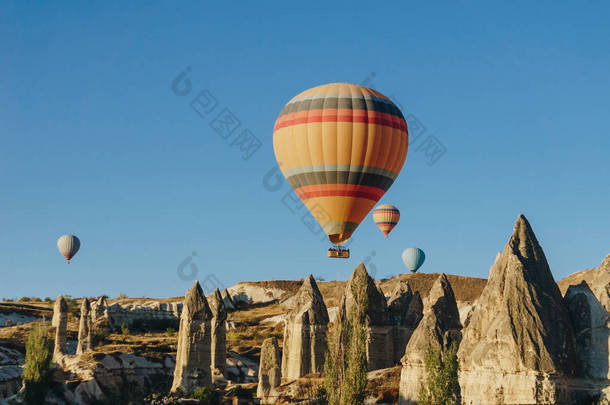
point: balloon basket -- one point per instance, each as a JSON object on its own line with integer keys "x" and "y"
{"x": 338, "y": 252}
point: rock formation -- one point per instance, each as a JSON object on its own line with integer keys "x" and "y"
{"x": 437, "y": 330}
{"x": 219, "y": 333}
{"x": 269, "y": 371}
{"x": 57, "y": 311}
{"x": 600, "y": 285}
{"x": 151, "y": 311}
{"x": 11, "y": 369}
{"x": 380, "y": 348}
{"x": 99, "y": 309}
{"x": 228, "y": 301}
{"x": 405, "y": 310}
{"x": 590, "y": 322}
{"x": 85, "y": 328}
{"x": 60, "y": 321}
{"x": 519, "y": 344}
{"x": 305, "y": 333}
{"x": 193, "y": 357}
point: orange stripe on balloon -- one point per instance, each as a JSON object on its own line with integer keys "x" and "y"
{"x": 343, "y": 190}
{"x": 343, "y": 115}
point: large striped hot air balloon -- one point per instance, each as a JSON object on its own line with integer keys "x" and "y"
{"x": 340, "y": 146}
{"x": 68, "y": 245}
{"x": 386, "y": 217}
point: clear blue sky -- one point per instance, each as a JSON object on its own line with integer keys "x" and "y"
{"x": 94, "y": 142}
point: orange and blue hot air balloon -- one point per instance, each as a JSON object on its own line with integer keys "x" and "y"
{"x": 386, "y": 217}
{"x": 340, "y": 146}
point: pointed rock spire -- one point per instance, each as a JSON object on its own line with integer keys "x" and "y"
{"x": 376, "y": 310}
{"x": 380, "y": 346}
{"x": 440, "y": 325}
{"x": 219, "y": 333}
{"x": 269, "y": 371}
{"x": 404, "y": 306}
{"x": 193, "y": 357}
{"x": 99, "y": 309}
{"x": 85, "y": 327}
{"x": 600, "y": 285}
{"x": 439, "y": 328}
{"x": 228, "y": 301}
{"x": 519, "y": 327}
{"x": 305, "y": 332}
{"x": 60, "y": 322}
{"x": 57, "y": 310}
{"x": 405, "y": 310}
{"x": 590, "y": 322}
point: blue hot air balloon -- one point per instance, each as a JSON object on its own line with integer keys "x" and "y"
{"x": 413, "y": 258}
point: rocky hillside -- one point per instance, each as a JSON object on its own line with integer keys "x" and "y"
{"x": 520, "y": 339}
{"x": 467, "y": 289}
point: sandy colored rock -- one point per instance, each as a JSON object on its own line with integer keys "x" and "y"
{"x": 99, "y": 309}
{"x": 600, "y": 285}
{"x": 85, "y": 327}
{"x": 590, "y": 322}
{"x": 193, "y": 357}
{"x": 60, "y": 318}
{"x": 405, "y": 310}
{"x": 128, "y": 313}
{"x": 437, "y": 330}
{"x": 519, "y": 345}
{"x": 380, "y": 347}
{"x": 269, "y": 371}
{"x": 57, "y": 311}
{"x": 305, "y": 333}
{"x": 219, "y": 334}
{"x": 228, "y": 301}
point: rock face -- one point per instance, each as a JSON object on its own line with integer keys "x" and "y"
{"x": 57, "y": 311}
{"x": 84, "y": 328}
{"x": 251, "y": 293}
{"x": 219, "y": 333}
{"x": 193, "y": 357}
{"x": 60, "y": 317}
{"x": 600, "y": 285}
{"x": 101, "y": 377}
{"x": 151, "y": 311}
{"x": 228, "y": 301}
{"x": 11, "y": 362}
{"x": 305, "y": 333}
{"x": 380, "y": 347}
{"x": 590, "y": 322}
{"x": 99, "y": 309}
{"x": 518, "y": 346}
{"x": 437, "y": 330}
{"x": 269, "y": 371}
{"x": 405, "y": 310}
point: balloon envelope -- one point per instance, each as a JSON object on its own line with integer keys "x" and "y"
{"x": 68, "y": 245}
{"x": 413, "y": 258}
{"x": 340, "y": 146}
{"x": 386, "y": 217}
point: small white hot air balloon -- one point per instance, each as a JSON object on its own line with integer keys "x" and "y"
{"x": 68, "y": 245}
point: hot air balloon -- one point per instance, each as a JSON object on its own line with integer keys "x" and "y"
{"x": 68, "y": 245}
{"x": 413, "y": 258}
{"x": 340, "y": 146}
{"x": 386, "y": 217}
